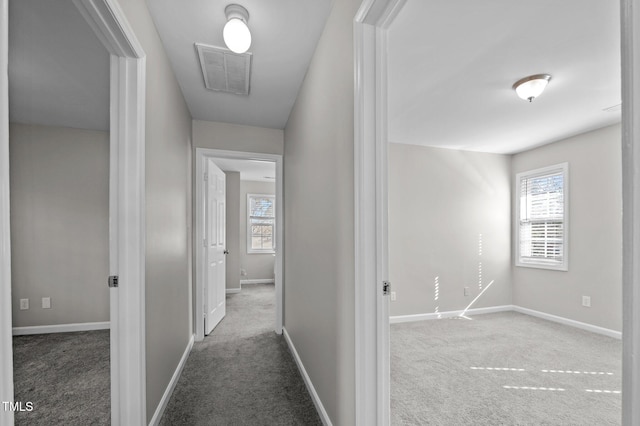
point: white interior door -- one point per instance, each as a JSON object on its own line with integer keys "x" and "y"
{"x": 215, "y": 246}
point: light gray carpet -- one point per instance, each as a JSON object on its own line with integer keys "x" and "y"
{"x": 454, "y": 372}
{"x": 243, "y": 373}
{"x": 65, "y": 376}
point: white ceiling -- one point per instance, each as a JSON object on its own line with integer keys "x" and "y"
{"x": 58, "y": 69}
{"x": 253, "y": 170}
{"x": 452, "y": 65}
{"x": 285, "y": 34}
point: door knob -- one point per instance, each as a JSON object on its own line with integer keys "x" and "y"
{"x": 226, "y": 252}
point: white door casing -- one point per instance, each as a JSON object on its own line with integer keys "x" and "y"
{"x": 215, "y": 245}
{"x": 370, "y": 176}
{"x": 6, "y": 352}
{"x": 201, "y": 154}
{"x": 126, "y": 208}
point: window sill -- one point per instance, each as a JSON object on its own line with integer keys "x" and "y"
{"x": 561, "y": 267}
{"x": 261, "y": 252}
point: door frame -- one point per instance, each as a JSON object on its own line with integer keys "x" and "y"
{"x": 126, "y": 211}
{"x": 202, "y": 154}
{"x": 370, "y": 140}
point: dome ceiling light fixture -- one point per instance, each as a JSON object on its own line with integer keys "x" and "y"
{"x": 236, "y": 33}
{"x": 531, "y": 87}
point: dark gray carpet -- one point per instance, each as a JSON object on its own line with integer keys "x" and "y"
{"x": 490, "y": 371}
{"x": 65, "y": 376}
{"x": 243, "y": 373}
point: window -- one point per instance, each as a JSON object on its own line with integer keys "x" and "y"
{"x": 542, "y": 219}
{"x": 261, "y": 223}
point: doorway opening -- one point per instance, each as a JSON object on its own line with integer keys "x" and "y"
{"x": 372, "y": 23}
{"x": 125, "y": 206}
{"x": 238, "y": 231}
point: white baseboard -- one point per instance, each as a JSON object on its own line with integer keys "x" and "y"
{"x": 61, "y": 328}
{"x": 233, "y": 290}
{"x": 505, "y": 308}
{"x": 570, "y": 322}
{"x": 448, "y": 314}
{"x": 307, "y": 381}
{"x": 157, "y": 416}
{"x": 260, "y": 281}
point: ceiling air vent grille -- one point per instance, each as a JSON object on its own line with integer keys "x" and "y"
{"x": 223, "y": 70}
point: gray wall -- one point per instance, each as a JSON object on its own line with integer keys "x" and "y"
{"x": 59, "y": 224}
{"x": 444, "y": 204}
{"x": 595, "y": 232}
{"x": 233, "y": 230}
{"x": 256, "y": 265}
{"x": 168, "y": 210}
{"x": 235, "y": 137}
{"x": 319, "y": 218}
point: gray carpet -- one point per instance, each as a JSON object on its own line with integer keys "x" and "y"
{"x": 65, "y": 376}
{"x": 489, "y": 371}
{"x": 243, "y": 373}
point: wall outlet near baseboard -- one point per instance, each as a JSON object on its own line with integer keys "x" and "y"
{"x": 24, "y": 304}
{"x": 393, "y": 296}
{"x": 586, "y": 301}
{"x": 466, "y": 291}
{"x": 46, "y": 303}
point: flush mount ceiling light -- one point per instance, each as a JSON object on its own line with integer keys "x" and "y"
{"x": 531, "y": 87}
{"x": 236, "y": 33}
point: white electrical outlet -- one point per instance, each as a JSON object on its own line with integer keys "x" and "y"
{"x": 46, "y": 303}
{"x": 466, "y": 291}
{"x": 24, "y": 304}
{"x": 393, "y": 296}
{"x": 586, "y": 301}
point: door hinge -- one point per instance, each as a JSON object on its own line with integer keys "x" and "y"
{"x": 113, "y": 281}
{"x": 206, "y": 176}
{"x": 386, "y": 288}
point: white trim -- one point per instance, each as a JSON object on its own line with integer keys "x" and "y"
{"x": 370, "y": 178}
{"x": 157, "y": 416}
{"x": 127, "y": 208}
{"x": 543, "y": 264}
{"x": 260, "y": 281}
{"x": 507, "y": 308}
{"x": 630, "y": 212}
{"x": 324, "y": 416}
{"x": 233, "y": 290}
{"x": 6, "y": 343}
{"x": 61, "y": 328}
{"x": 566, "y": 321}
{"x": 248, "y": 224}
{"x": 201, "y": 154}
{"x": 449, "y": 314}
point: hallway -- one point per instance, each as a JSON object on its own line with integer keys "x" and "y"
{"x": 243, "y": 372}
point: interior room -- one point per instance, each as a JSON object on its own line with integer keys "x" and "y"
{"x": 59, "y": 181}
{"x": 457, "y": 215}
{"x": 522, "y": 307}
{"x": 251, "y": 257}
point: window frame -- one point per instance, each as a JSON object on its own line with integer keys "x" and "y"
{"x": 544, "y": 264}
{"x": 250, "y": 249}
